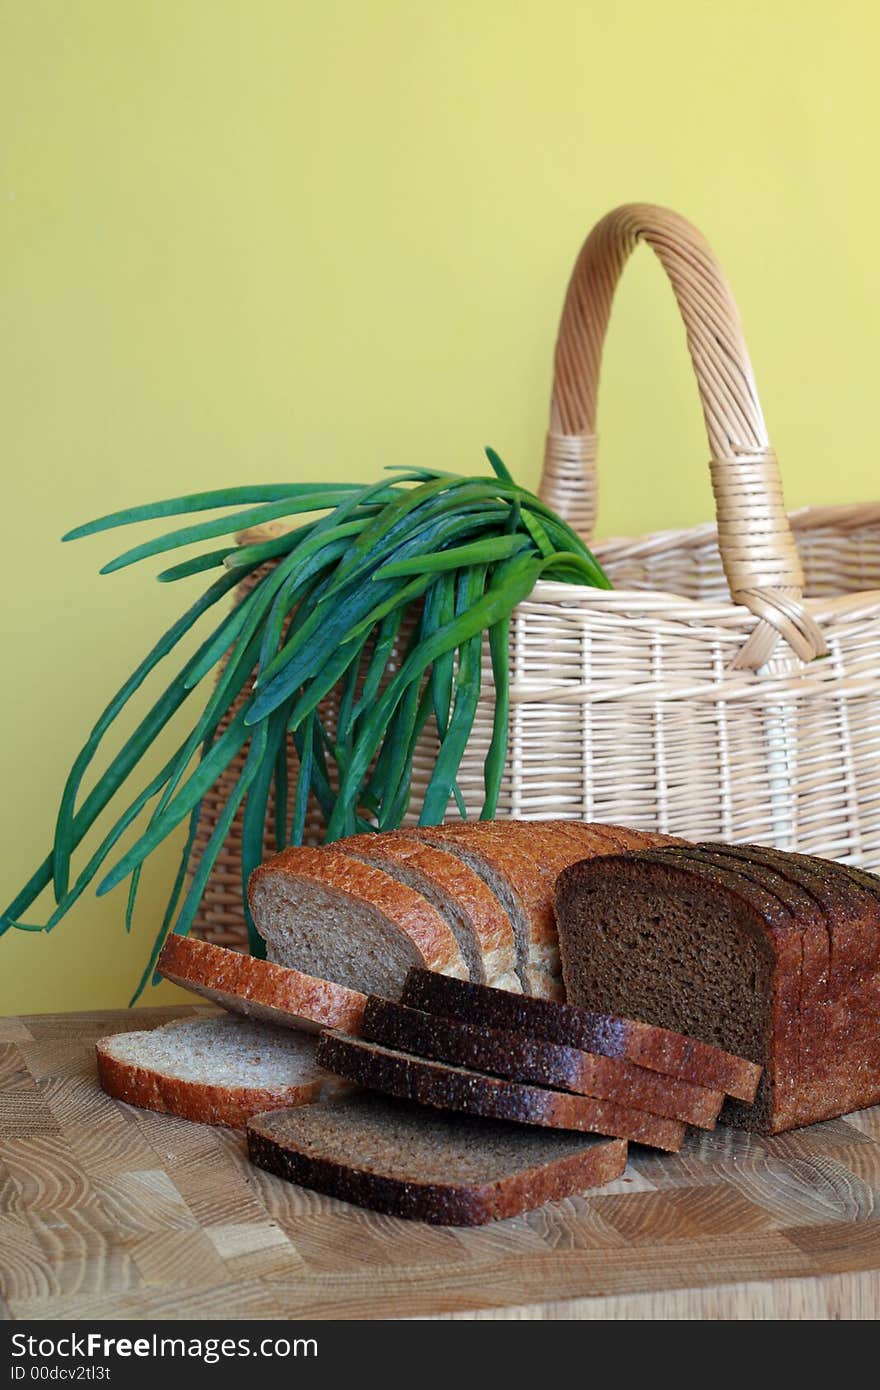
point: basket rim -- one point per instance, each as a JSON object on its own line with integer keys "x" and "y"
{"x": 552, "y": 595}
{"x": 842, "y": 516}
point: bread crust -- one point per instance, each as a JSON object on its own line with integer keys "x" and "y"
{"x": 530, "y": 855}
{"x": 490, "y": 925}
{"x": 772, "y": 869}
{"x": 658, "y": 1049}
{"x": 452, "y": 1204}
{"x": 452, "y": 1088}
{"x": 534, "y": 1062}
{"x": 536, "y": 956}
{"x": 412, "y": 914}
{"x": 231, "y": 1106}
{"x": 259, "y": 988}
{"x": 618, "y": 837}
{"x": 847, "y": 1072}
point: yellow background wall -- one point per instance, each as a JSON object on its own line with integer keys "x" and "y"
{"x": 275, "y": 239}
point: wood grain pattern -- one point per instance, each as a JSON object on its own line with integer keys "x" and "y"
{"x": 107, "y": 1211}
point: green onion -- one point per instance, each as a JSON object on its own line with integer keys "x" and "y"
{"x": 440, "y": 557}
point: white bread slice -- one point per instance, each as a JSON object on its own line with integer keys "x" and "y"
{"x": 321, "y": 912}
{"x": 218, "y": 1070}
{"x": 260, "y": 989}
{"x": 476, "y": 918}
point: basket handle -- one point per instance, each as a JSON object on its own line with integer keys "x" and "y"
{"x": 757, "y": 547}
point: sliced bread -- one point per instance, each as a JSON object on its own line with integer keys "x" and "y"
{"x": 841, "y": 1054}
{"x": 332, "y": 916}
{"x": 449, "y": 1087}
{"x": 260, "y": 989}
{"x": 476, "y": 918}
{"x": 657, "y": 1049}
{"x": 520, "y": 861}
{"x": 770, "y": 913}
{"x": 519, "y": 886}
{"x": 530, "y": 1060}
{"x": 425, "y": 1166}
{"x": 807, "y": 1016}
{"x": 733, "y": 971}
{"x": 218, "y": 1070}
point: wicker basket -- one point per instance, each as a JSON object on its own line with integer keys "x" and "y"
{"x": 690, "y": 698}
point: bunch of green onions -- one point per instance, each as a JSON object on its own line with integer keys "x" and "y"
{"x": 443, "y": 557}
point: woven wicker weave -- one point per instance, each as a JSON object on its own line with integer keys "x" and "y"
{"x": 667, "y": 703}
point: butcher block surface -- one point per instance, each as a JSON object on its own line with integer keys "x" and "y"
{"x": 107, "y": 1211}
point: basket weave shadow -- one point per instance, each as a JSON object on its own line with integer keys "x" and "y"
{"x": 727, "y": 687}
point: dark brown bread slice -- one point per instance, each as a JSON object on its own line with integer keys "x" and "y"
{"x": 422, "y": 1165}
{"x": 530, "y": 1060}
{"x": 850, "y": 903}
{"x": 658, "y": 1049}
{"x": 259, "y": 988}
{"x": 794, "y": 888}
{"x": 866, "y": 878}
{"x": 851, "y": 899}
{"x": 810, "y": 910}
{"x": 448, "y": 1087}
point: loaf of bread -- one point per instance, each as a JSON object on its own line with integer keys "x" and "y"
{"x": 771, "y": 955}
{"x": 473, "y": 900}
{"x": 424, "y": 1165}
{"x": 520, "y": 861}
{"x": 476, "y": 918}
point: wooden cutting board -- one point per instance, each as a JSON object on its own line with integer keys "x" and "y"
{"x": 107, "y": 1211}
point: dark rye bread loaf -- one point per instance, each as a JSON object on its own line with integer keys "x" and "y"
{"x": 447, "y": 1087}
{"x": 609, "y": 1035}
{"x": 838, "y": 1022}
{"x": 848, "y": 1043}
{"x": 789, "y": 977}
{"x": 530, "y": 1060}
{"x": 793, "y": 920}
{"x": 422, "y": 1165}
{"x": 683, "y": 944}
